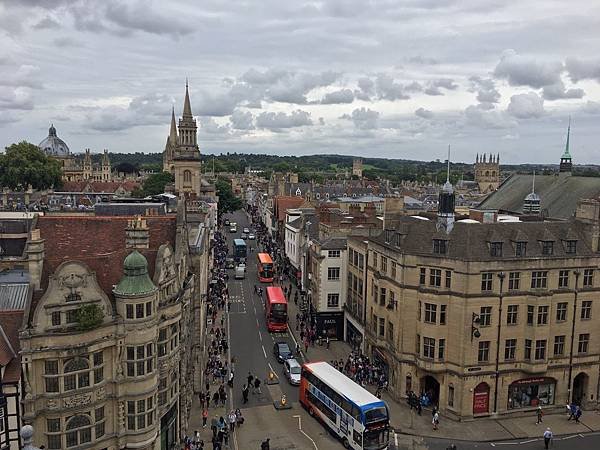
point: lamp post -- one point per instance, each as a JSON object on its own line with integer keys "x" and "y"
{"x": 501, "y": 276}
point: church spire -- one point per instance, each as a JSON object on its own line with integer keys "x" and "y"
{"x": 567, "y": 153}
{"x": 173, "y": 133}
{"x": 187, "y": 108}
{"x": 566, "y": 162}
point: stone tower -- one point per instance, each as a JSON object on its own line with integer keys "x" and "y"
{"x": 182, "y": 155}
{"x": 487, "y": 172}
{"x": 566, "y": 162}
{"x": 446, "y": 203}
{"x": 87, "y": 165}
{"x": 105, "y": 168}
{"x": 357, "y": 167}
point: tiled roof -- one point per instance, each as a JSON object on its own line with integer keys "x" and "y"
{"x": 10, "y": 322}
{"x": 558, "y": 193}
{"x": 13, "y": 296}
{"x": 470, "y": 241}
{"x": 99, "y": 242}
{"x": 282, "y": 204}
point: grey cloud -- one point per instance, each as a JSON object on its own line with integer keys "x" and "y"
{"x": 25, "y": 75}
{"x": 488, "y": 119}
{"x": 337, "y": 97}
{"x": 388, "y": 89}
{"x": 558, "y": 91}
{"x": 242, "y": 120}
{"x": 47, "y": 23}
{"x": 433, "y": 87}
{"x": 523, "y": 71}
{"x": 16, "y": 98}
{"x": 209, "y": 125}
{"x": 487, "y": 94}
{"x": 66, "y": 41}
{"x": 7, "y": 117}
{"x": 422, "y": 60}
{"x": 424, "y": 113}
{"x": 363, "y": 118}
{"x": 141, "y": 17}
{"x": 275, "y": 121}
{"x": 150, "y": 109}
{"x": 583, "y": 69}
{"x": 267, "y": 77}
{"x": 293, "y": 87}
{"x": 218, "y": 105}
{"x": 366, "y": 89}
{"x": 321, "y": 121}
{"x": 526, "y": 106}
{"x": 591, "y": 107}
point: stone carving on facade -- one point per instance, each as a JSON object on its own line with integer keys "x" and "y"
{"x": 72, "y": 281}
{"x": 100, "y": 393}
{"x": 52, "y": 403}
{"x": 77, "y": 400}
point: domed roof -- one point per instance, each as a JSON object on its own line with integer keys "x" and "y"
{"x": 53, "y": 145}
{"x": 135, "y": 279}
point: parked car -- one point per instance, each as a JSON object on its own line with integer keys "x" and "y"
{"x": 292, "y": 370}
{"x": 246, "y": 230}
{"x": 226, "y": 222}
{"x": 244, "y": 236}
{"x": 282, "y": 351}
{"x": 229, "y": 263}
{"x": 240, "y": 272}
{"x": 251, "y": 237}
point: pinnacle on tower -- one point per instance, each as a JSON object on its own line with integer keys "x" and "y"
{"x": 187, "y": 108}
{"x": 173, "y": 133}
{"x": 567, "y": 153}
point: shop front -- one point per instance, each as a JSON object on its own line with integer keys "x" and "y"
{"x": 531, "y": 392}
{"x": 354, "y": 336}
{"x": 330, "y": 324}
{"x": 380, "y": 359}
{"x": 168, "y": 429}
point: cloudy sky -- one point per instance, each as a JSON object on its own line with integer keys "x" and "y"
{"x": 387, "y": 78}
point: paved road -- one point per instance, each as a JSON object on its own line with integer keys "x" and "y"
{"x": 590, "y": 441}
{"x": 252, "y": 348}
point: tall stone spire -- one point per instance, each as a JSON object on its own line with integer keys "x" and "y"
{"x": 567, "y": 153}
{"x": 566, "y": 162}
{"x": 173, "y": 133}
{"x": 187, "y": 108}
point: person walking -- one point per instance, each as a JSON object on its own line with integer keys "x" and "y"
{"x": 257, "y": 386}
{"x": 436, "y": 420}
{"x": 232, "y": 419}
{"x": 547, "y": 437}
{"x": 578, "y": 414}
{"x": 265, "y": 444}
{"x": 539, "y": 413}
{"x": 204, "y": 416}
{"x": 245, "y": 394}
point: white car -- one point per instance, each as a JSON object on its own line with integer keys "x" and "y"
{"x": 251, "y": 237}
{"x": 246, "y": 230}
{"x": 292, "y": 370}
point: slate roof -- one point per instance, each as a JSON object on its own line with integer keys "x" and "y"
{"x": 99, "y": 242}
{"x": 13, "y": 295}
{"x": 559, "y": 193}
{"x": 10, "y": 322}
{"x": 470, "y": 241}
{"x": 335, "y": 243}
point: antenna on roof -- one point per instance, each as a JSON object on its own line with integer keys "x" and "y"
{"x": 448, "y": 172}
{"x": 533, "y": 184}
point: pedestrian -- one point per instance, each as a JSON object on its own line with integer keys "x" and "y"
{"x": 214, "y": 424}
{"x": 265, "y": 445}
{"x": 436, "y": 420}
{"x": 245, "y": 393}
{"x": 578, "y": 414}
{"x": 539, "y": 414}
{"x": 232, "y": 419}
{"x": 568, "y": 412}
{"x": 327, "y": 342}
{"x": 547, "y": 437}
{"x": 204, "y": 417}
{"x": 257, "y": 385}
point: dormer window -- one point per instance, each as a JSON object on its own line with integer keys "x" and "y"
{"x": 547, "y": 248}
{"x": 440, "y": 246}
{"x": 520, "y": 248}
{"x": 495, "y": 248}
{"x": 571, "y": 246}
{"x": 397, "y": 239}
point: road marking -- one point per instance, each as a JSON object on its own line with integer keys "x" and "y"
{"x": 265, "y": 353}
{"x": 300, "y": 428}
{"x": 260, "y": 335}
{"x": 271, "y": 367}
{"x": 395, "y": 439}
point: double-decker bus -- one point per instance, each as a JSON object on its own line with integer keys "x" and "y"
{"x": 276, "y": 309}
{"x": 264, "y": 267}
{"x": 239, "y": 250}
{"x": 357, "y": 417}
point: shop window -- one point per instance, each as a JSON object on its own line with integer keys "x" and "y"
{"x": 561, "y": 312}
{"x": 559, "y": 345}
{"x": 563, "y": 279}
{"x": 586, "y": 310}
{"x": 528, "y": 393}
{"x": 514, "y": 280}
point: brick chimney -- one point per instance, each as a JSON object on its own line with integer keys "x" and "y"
{"x": 35, "y": 257}
{"x": 136, "y": 233}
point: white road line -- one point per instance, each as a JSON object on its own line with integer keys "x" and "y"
{"x": 260, "y": 335}
{"x": 271, "y": 367}
{"x": 265, "y": 353}
{"x": 300, "y": 428}
{"x": 395, "y": 439}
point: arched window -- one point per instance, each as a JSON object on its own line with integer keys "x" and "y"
{"x": 187, "y": 176}
{"x": 77, "y": 374}
{"x": 487, "y": 173}
{"x": 79, "y": 430}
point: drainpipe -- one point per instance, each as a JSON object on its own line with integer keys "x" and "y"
{"x": 573, "y": 319}
{"x": 501, "y": 276}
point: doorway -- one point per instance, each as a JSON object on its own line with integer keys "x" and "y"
{"x": 430, "y": 388}
{"x": 481, "y": 399}
{"x": 580, "y": 384}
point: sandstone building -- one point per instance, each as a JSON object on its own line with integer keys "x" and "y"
{"x": 487, "y": 172}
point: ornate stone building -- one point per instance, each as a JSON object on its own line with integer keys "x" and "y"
{"x": 106, "y": 331}
{"x": 75, "y": 168}
{"x": 485, "y": 317}
{"x": 357, "y": 167}
{"x": 181, "y": 157}
{"x": 487, "y": 172}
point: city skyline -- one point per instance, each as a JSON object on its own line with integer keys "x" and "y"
{"x": 332, "y": 77}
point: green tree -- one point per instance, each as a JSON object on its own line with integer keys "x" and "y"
{"x": 23, "y": 164}
{"x": 89, "y": 317}
{"x": 155, "y": 183}
{"x": 227, "y": 201}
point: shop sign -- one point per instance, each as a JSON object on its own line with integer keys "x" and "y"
{"x": 534, "y": 380}
{"x": 481, "y": 399}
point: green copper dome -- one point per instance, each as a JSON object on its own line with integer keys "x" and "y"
{"x": 135, "y": 280}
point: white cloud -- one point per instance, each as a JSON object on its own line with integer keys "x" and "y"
{"x": 363, "y": 118}
{"x": 526, "y": 71}
{"x": 580, "y": 69}
{"x": 526, "y": 106}
{"x": 558, "y": 91}
{"x": 336, "y": 97}
{"x": 242, "y": 120}
{"x": 279, "y": 120}
{"x": 488, "y": 119}
{"x": 424, "y": 113}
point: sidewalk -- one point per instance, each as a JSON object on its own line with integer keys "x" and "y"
{"x": 481, "y": 430}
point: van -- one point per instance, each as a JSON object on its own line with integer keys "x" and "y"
{"x": 240, "y": 272}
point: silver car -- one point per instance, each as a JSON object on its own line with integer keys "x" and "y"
{"x": 292, "y": 370}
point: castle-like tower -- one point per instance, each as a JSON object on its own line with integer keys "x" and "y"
{"x": 357, "y": 167}
{"x": 487, "y": 172}
{"x": 182, "y": 154}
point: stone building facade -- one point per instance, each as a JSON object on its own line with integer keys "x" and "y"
{"x": 487, "y": 172}
{"x": 106, "y": 332}
{"x": 487, "y": 317}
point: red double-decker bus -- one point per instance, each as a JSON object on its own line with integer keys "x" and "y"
{"x": 264, "y": 265}
{"x": 276, "y": 309}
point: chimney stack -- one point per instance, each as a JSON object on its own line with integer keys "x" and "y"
{"x": 35, "y": 256}
{"x": 136, "y": 233}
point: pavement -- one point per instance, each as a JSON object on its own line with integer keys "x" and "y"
{"x": 293, "y": 429}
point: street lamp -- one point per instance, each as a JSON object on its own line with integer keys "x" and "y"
{"x": 474, "y": 330}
